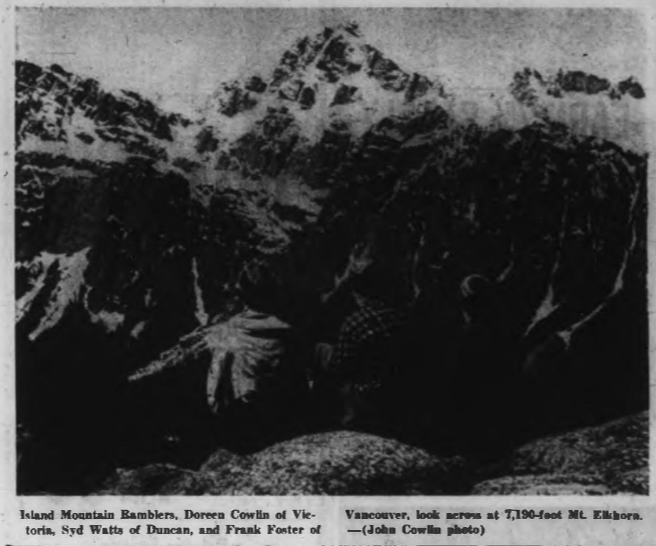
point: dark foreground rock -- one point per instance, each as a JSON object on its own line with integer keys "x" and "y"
{"x": 604, "y": 460}
{"x": 608, "y": 459}
{"x": 334, "y": 463}
{"x": 147, "y": 480}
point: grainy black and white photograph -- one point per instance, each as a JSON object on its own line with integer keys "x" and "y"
{"x": 311, "y": 251}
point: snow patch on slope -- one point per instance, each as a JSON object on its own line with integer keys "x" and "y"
{"x": 201, "y": 315}
{"x": 71, "y": 270}
{"x": 40, "y": 266}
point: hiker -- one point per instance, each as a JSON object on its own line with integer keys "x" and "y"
{"x": 487, "y": 372}
{"x": 365, "y": 363}
{"x": 256, "y": 383}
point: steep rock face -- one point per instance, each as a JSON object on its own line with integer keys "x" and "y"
{"x": 121, "y": 246}
{"x": 518, "y": 208}
{"x": 104, "y": 222}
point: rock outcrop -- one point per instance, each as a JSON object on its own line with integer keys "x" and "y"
{"x": 610, "y": 459}
{"x": 333, "y": 463}
{"x": 607, "y": 459}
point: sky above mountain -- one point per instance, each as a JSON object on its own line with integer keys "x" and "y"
{"x": 178, "y": 56}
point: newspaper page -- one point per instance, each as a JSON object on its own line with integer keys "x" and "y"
{"x": 326, "y": 274}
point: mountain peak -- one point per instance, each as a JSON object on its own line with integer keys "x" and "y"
{"x": 351, "y": 27}
{"x": 333, "y": 50}
{"x": 72, "y": 112}
{"x": 529, "y": 84}
{"x": 329, "y": 69}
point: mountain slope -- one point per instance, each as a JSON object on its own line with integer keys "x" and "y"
{"x": 133, "y": 225}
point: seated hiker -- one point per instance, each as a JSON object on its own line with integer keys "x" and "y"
{"x": 366, "y": 362}
{"x": 256, "y": 384}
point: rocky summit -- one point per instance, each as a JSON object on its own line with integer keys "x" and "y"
{"x": 133, "y": 226}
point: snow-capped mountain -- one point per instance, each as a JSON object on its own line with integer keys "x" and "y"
{"x": 334, "y": 76}
{"x": 133, "y": 223}
{"x": 60, "y": 112}
{"x": 588, "y": 104}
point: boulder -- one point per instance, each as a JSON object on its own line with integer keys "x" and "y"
{"x": 612, "y": 458}
{"x": 147, "y": 480}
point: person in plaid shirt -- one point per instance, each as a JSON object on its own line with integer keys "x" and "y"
{"x": 366, "y": 364}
